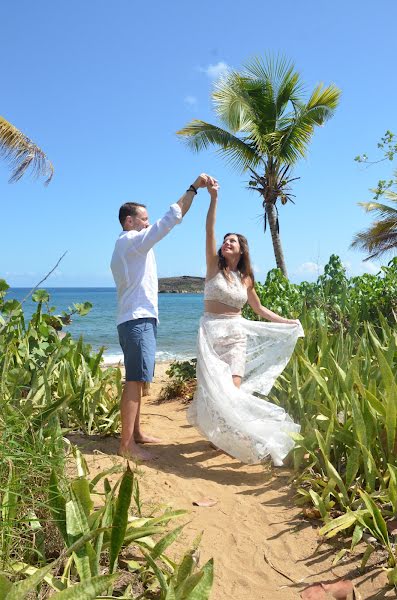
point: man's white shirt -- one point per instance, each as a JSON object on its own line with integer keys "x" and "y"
{"x": 134, "y": 268}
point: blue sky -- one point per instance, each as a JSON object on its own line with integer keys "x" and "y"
{"x": 102, "y": 87}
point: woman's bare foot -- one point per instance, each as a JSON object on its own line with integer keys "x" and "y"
{"x": 142, "y": 438}
{"x": 135, "y": 452}
{"x": 215, "y": 447}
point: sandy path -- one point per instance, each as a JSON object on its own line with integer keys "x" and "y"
{"x": 256, "y": 535}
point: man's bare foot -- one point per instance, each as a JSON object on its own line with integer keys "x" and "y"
{"x": 142, "y": 438}
{"x": 134, "y": 452}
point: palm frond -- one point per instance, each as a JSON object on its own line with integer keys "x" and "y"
{"x": 376, "y": 241}
{"x": 280, "y": 83}
{"x": 199, "y": 135}
{"x": 293, "y": 139}
{"x": 232, "y": 101}
{"x": 275, "y": 70}
{"x": 264, "y": 114}
{"x": 381, "y": 237}
{"x": 382, "y": 209}
{"x": 322, "y": 103}
{"x": 21, "y": 153}
{"x": 296, "y": 132}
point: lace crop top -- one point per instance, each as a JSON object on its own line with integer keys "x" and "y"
{"x": 232, "y": 293}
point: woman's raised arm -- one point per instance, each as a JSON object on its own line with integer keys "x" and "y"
{"x": 210, "y": 241}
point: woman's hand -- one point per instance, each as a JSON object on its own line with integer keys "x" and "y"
{"x": 293, "y": 322}
{"x": 213, "y": 187}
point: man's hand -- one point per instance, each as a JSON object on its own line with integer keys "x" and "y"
{"x": 203, "y": 180}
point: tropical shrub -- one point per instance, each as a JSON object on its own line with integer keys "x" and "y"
{"x": 40, "y": 369}
{"x": 342, "y": 389}
{"x": 59, "y": 536}
{"x": 334, "y": 298}
{"x": 182, "y": 380}
{"x": 108, "y": 548}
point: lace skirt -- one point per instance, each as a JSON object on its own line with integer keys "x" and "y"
{"x": 243, "y": 425}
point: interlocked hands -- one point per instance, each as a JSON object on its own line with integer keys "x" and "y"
{"x": 207, "y": 181}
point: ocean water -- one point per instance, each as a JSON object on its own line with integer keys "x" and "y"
{"x": 179, "y": 317}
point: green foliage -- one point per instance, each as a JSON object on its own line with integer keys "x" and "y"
{"x": 334, "y": 299}
{"x": 183, "y": 370}
{"x": 182, "y": 382}
{"x": 342, "y": 388}
{"x": 28, "y": 455}
{"x": 43, "y": 372}
{"x": 49, "y": 383}
{"x": 388, "y": 147}
{"x": 380, "y": 238}
{"x": 96, "y": 539}
{"x": 22, "y": 154}
{"x": 277, "y": 294}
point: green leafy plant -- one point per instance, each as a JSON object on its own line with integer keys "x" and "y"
{"x": 114, "y": 538}
{"x": 342, "y": 388}
{"x": 41, "y": 370}
{"x": 182, "y": 382}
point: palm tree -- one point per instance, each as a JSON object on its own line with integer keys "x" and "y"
{"x": 267, "y": 128}
{"x": 381, "y": 237}
{"x": 21, "y": 153}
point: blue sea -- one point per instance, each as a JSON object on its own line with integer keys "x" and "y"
{"x": 179, "y": 317}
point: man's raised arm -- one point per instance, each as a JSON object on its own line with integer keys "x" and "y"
{"x": 186, "y": 200}
{"x": 144, "y": 240}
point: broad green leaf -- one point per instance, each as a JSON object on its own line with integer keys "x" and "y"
{"x": 203, "y": 588}
{"x": 5, "y": 584}
{"x": 357, "y": 536}
{"x": 57, "y": 505}
{"x": 339, "y": 524}
{"x": 166, "y": 541}
{"x": 158, "y": 573}
{"x": 368, "y": 551}
{"x": 120, "y": 519}
{"x": 87, "y": 590}
{"x": 81, "y": 489}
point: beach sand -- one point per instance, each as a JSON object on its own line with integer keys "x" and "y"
{"x": 263, "y": 548}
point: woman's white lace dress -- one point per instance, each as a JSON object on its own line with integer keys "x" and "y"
{"x": 243, "y": 425}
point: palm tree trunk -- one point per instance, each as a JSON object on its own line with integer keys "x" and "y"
{"x": 277, "y": 248}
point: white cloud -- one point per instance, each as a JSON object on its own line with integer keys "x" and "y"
{"x": 371, "y": 267}
{"x": 256, "y": 269}
{"x": 309, "y": 268}
{"x": 347, "y": 264}
{"x": 191, "y": 100}
{"x": 362, "y": 267}
{"x": 215, "y": 71}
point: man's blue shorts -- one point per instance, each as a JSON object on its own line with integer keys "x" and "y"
{"x": 138, "y": 342}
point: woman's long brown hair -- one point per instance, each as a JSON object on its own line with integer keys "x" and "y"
{"x": 244, "y": 264}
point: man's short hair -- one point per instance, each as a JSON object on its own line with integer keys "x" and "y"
{"x": 128, "y": 210}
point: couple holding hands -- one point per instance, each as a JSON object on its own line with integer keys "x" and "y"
{"x": 235, "y": 357}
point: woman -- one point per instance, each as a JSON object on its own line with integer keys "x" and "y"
{"x": 236, "y": 357}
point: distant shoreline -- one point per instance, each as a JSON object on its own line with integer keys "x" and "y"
{"x": 183, "y": 284}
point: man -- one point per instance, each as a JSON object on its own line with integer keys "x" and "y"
{"x": 135, "y": 274}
